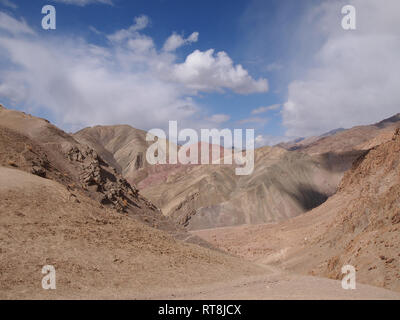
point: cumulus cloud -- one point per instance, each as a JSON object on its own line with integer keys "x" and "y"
{"x": 175, "y": 41}
{"x": 127, "y": 81}
{"x": 354, "y": 78}
{"x": 265, "y": 109}
{"x": 83, "y": 3}
{"x": 206, "y": 71}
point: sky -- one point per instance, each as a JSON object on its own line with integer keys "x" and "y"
{"x": 285, "y": 68}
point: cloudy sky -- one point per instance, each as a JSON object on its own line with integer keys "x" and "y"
{"x": 286, "y": 68}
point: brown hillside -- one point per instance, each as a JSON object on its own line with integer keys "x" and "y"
{"x": 359, "y": 225}
{"x": 38, "y": 147}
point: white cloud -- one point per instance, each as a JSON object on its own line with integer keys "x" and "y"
{"x": 14, "y": 26}
{"x": 175, "y": 41}
{"x": 204, "y": 71}
{"x": 355, "y": 76}
{"x": 94, "y": 30}
{"x": 127, "y": 81}
{"x": 219, "y": 118}
{"x": 265, "y": 109}
{"x": 140, "y": 23}
{"x": 83, "y": 3}
{"x": 9, "y": 4}
{"x": 83, "y": 85}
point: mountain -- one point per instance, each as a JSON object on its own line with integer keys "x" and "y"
{"x": 341, "y": 140}
{"x": 359, "y": 226}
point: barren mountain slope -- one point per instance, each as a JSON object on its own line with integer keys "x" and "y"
{"x": 360, "y": 226}
{"x": 283, "y": 184}
{"x": 97, "y": 252}
{"x": 127, "y": 147}
{"x": 36, "y": 146}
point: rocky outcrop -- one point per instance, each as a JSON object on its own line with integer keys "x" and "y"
{"x": 97, "y": 176}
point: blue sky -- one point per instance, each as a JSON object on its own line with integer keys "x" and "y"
{"x": 101, "y": 66}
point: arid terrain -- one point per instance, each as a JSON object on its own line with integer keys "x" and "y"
{"x": 359, "y": 225}
{"x": 115, "y": 227}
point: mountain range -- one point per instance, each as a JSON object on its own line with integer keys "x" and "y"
{"x": 284, "y": 183}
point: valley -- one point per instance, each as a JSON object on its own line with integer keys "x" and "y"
{"x": 115, "y": 227}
